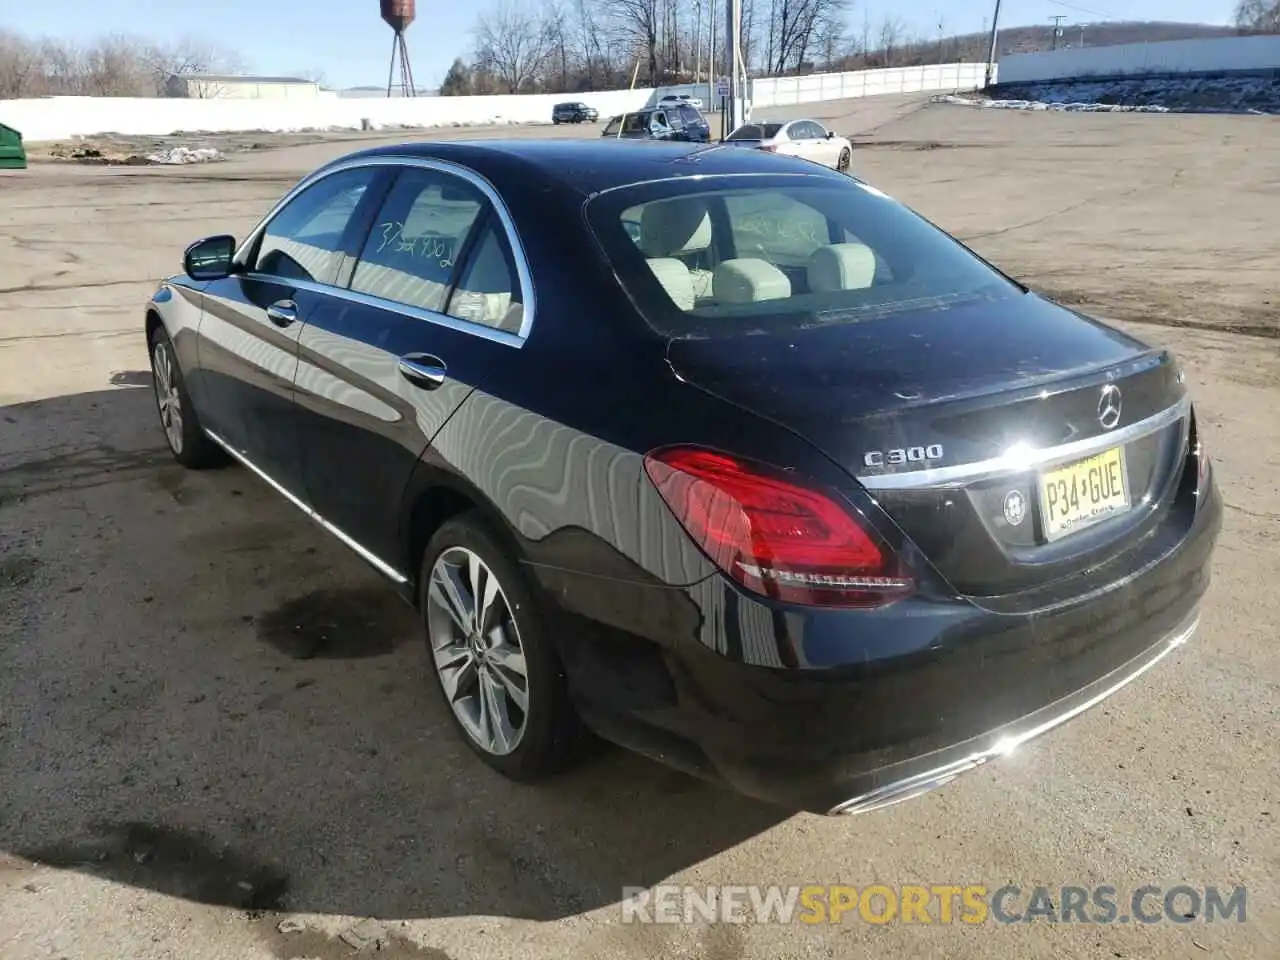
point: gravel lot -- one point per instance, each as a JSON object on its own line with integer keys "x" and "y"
{"x": 215, "y": 723}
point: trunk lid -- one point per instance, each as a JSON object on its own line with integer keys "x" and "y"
{"x": 959, "y": 421}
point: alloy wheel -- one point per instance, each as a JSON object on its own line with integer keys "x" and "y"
{"x": 165, "y": 377}
{"x": 476, "y": 646}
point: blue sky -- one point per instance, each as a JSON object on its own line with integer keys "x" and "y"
{"x": 346, "y": 40}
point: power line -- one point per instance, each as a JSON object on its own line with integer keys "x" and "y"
{"x": 1079, "y": 9}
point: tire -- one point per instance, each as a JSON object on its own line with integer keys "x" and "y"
{"x": 555, "y": 122}
{"x": 842, "y": 165}
{"x": 187, "y": 440}
{"x": 536, "y": 741}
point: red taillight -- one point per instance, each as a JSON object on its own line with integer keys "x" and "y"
{"x": 773, "y": 536}
{"x": 768, "y": 148}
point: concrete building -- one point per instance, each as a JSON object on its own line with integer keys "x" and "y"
{"x": 204, "y": 86}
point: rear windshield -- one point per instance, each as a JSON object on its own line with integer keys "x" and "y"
{"x": 734, "y": 255}
{"x": 756, "y": 131}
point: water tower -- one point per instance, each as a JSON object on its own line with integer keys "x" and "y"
{"x": 398, "y": 14}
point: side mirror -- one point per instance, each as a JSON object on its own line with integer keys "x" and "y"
{"x": 830, "y": 134}
{"x": 210, "y": 258}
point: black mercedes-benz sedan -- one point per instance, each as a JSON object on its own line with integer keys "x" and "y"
{"x": 731, "y": 459}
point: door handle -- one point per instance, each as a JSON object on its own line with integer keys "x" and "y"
{"x": 422, "y": 370}
{"x": 282, "y": 313}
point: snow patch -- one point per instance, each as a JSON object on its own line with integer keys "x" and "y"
{"x": 1072, "y": 106}
{"x": 182, "y": 155}
{"x": 1223, "y": 93}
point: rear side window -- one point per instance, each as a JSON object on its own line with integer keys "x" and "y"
{"x": 304, "y": 240}
{"x": 488, "y": 292}
{"x": 410, "y": 254}
{"x": 720, "y": 258}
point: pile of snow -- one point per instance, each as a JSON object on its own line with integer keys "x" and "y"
{"x": 179, "y": 155}
{"x": 1239, "y": 93}
{"x": 985, "y": 103}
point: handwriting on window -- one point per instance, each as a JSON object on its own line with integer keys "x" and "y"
{"x": 426, "y": 247}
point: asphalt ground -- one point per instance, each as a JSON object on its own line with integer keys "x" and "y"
{"x": 217, "y": 734}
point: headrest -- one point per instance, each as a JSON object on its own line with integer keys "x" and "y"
{"x": 841, "y": 266}
{"x": 669, "y": 228}
{"x": 747, "y": 280}
{"x": 676, "y": 280}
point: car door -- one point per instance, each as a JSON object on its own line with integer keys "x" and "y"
{"x": 249, "y": 330}
{"x": 825, "y": 149}
{"x": 806, "y": 146}
{"x": 383, "y": 370}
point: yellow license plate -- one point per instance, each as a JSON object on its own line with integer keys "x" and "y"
{"x": 1078, "y": 495}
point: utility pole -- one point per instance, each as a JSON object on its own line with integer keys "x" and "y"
{"x": 697, "y": 42}
{"x": 995, "y": 33}
{"x": 1057, "y": 30}
{"x": 713, "y": 71}
{"x": 733, "y": 25}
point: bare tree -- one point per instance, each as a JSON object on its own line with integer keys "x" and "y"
{"x": 1258, "y": 16}
{"x": 592, "y": 44}
{"x": 188, "y": 58}
{"x": 794, "y": 27}
{"x": 514, "y": 44}
{"x": 21, "y": 68}
{"x": 891, "y": 33}
{"x": 641, "y": 22}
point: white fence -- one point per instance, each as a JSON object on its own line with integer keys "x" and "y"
{"x": 1134, "y": 59}
{"x": 784, "y": 91}
{"x": 59, "y": 118}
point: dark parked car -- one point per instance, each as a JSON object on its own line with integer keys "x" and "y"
{"x": 680, "y": 122}
{"x": 727, "y": 457}
{"x": 574, "y": 113}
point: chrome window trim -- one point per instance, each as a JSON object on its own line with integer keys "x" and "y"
{"x": 524, "y": 272}
{"x": 1018, "y": 461}
{"x": 384, "y": 568}
{"x": 695, "y": 177}
{"x": 417, "y": 313}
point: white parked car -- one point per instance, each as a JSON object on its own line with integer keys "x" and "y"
{"x": 681, "y": 98}
{"x": 807, "y": 139}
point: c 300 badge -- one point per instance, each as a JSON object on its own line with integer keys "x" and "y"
{"x": 901, "y": 455}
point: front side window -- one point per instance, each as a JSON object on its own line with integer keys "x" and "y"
{"x": 303, "y": 241}
{"x": 416, "y": 238}
{"x": 729, "y": 256}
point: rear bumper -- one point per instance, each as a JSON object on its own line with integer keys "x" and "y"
{"x": 912, "y": 778}
{"x": 843, "y": 712}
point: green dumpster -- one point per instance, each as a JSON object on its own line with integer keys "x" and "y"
{"x": 12, "y": 154}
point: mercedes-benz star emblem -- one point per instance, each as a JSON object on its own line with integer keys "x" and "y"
{"x": 1015, "y": 507}
{"x": 1109, "y": 406}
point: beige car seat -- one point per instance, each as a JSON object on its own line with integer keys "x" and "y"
{"x": 841, "y": 266}
{"x": 669, "y": 230}
{"x": 749, "y": 280}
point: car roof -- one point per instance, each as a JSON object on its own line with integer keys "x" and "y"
{"x": 590, "y": 166}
